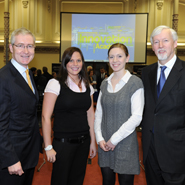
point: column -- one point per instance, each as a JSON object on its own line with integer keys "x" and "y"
{"x": 175, "y": 15}
{"x": 6, "y": 31}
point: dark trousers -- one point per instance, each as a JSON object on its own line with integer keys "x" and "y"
{"x": 109, "y": 177}
{"x": 70, "y": 165}
{"x": 25, "y": 179}
{"x": 154, "y": 174}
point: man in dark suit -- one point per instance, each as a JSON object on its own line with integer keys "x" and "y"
{"x": 20, "y": 139}
{"x": 163, "y": 125}
{"x": 46, "y": 74}
{"x": 100, "y": 77}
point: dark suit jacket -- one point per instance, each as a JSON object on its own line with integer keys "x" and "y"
{"x": 99, "y": 81}
{"x": 167, "y": 116}
{"x": 20, "y": 139}
{"x": 48, "y": 76}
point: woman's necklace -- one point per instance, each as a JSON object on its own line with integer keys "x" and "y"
{"x": 77, "y": 82}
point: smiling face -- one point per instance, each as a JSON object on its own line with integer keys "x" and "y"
{"x": 118, "y": 59}
{"x": 23, "y": 56}
{"x": 74, "y": 66}
{"x": 164, "y": 46}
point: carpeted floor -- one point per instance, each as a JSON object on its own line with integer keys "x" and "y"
{"x": 93, "y": 173}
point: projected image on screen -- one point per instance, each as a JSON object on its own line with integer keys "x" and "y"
{"x": 95, "y": 37}
{"x": 95, "y": 33}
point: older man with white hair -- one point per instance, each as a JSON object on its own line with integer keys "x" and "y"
{"x": 163, "y": 125}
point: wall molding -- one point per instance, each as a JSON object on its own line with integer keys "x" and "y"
{"x": 47, "y": 50}
{"x": 56, "y": 50}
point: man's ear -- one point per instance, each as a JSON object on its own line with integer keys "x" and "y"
{"x": 11, "y": 48}
{"x": 175, "y": 44}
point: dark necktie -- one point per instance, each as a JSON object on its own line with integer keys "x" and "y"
{"x": 162, "y": 80}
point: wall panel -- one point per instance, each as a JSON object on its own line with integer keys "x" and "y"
{"x": 1, "y": 18}
{"x": 181, "y": 23}
{"x": 92, "y": 7}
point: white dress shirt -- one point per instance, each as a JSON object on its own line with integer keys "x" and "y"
{"x": 137, "y": 104}
{"x": 22, "y": 71}
{"x": 53, "y": 86}
{"x": 168, "y": 69}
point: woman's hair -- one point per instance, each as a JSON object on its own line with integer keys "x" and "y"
{"x": 63, "y": 73}
{"x": 22, "y": 31}
{"x": 119, "y": 45}
{"x": 89, "y": 72}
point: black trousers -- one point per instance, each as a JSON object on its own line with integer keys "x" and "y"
{"x": 24, "y": 179}
{"x": 70, "y": 165}
{"x": 155, "y": 175}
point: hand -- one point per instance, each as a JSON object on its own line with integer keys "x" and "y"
{"x": 16, "y": 169}
{"x": 102, "y": 145}
{"x": 109, "y": 145}
{"x": 51, "y": 155}
{"x": 92, "y": 152}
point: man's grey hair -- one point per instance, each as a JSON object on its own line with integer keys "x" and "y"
{"x": 159, "y": 29}
{"x": 22, "y": 31}
{"x": 89, "y": 67}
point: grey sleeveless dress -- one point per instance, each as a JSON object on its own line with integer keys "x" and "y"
{"x": 116, "y": 109}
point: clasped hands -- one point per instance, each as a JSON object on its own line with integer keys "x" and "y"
{"x": 106, "y": 146}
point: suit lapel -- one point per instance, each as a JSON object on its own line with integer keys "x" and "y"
{"x": 153, "y": 80}
{"x": 20, "y": 81}
{"x": 33, "y": 82}
{"x": 172, "y": 79}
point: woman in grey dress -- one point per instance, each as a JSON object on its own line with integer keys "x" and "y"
{"x": 119, "y": 111}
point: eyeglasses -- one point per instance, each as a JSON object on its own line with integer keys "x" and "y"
{"x": 22, "y": 46}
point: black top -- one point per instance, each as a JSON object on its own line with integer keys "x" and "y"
{"x": 70, "y": 113}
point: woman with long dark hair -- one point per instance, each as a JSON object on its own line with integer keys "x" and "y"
{"x": 69, "y": 97}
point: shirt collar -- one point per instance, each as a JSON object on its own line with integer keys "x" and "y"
{"x": 73, "y": 86}
{"x": 125, "y": 78}
{"x": 170, "y": 63}
{"x": 20, "y": 68}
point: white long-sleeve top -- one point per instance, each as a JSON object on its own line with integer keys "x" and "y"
{"x": 137, "y": 104}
